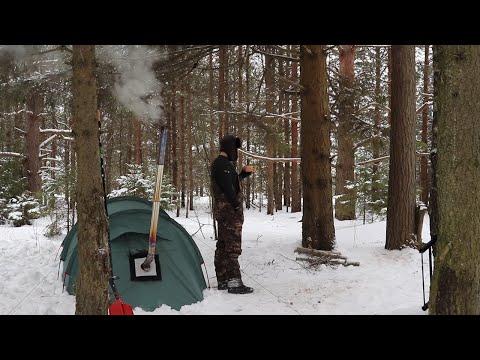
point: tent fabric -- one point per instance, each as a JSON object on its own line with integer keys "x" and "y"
{"x": 182, "y": 280}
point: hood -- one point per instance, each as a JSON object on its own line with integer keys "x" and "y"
{"x": 230, "y": 144}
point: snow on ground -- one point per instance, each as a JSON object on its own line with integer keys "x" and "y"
{"x": 386, "y": 282}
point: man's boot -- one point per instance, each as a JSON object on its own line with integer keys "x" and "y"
{"x": 236, "y": 286}
{"x": 222, "y": 285}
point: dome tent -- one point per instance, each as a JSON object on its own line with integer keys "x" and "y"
{"x": 182, "y": 281}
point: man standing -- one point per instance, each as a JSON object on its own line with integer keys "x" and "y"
{"x": 228, "y": 211}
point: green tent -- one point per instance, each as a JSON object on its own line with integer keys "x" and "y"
{"x": 182, "y": 280}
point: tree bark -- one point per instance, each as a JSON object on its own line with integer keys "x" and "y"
{"x": 455, "y": 288}
{"x": 296, "y": 193}
{"x": 32, "y": 141}
{"x": 212, "y": 123}
{"x": 94, "y": 267}
{"x": 269, "y": 84}
{"x": 345, "y": 204}
{"x": 376, "y": 127}
{"x": 138, "y": 142}
{"x": 189, "y": 147}
{"x": 318, "y": 231}
{"x": 401, "y": 181}
{"x": 221, "y": 92}
{"x": 423, "y": 160}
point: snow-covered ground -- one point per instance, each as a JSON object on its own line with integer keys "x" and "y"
{"x": 386, "y": 282}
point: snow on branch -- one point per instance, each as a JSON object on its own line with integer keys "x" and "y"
{"x": 268, "y": 158}
{"x": 56, "y": 131}
{"x": 20, "y": 130}
{"x": 11, "y": 154}
{"x": 48, "y": 140}
{"x": 386, "y": 157}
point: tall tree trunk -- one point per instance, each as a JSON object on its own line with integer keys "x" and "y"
{"x": 68, "y": 181}
{"x": 318, "y": 230}
{"x": 390, "y": 69}
{"x": 345, "y": 204}
{"x": 108, "y": 154}
{"x": 226, "y": 91}
{"x": 54, "y": 146}
{"x": 269, "y": 87}
{"x": 286, "y": 153}
{"x": 175, "y": 137}
{"x": 189, "y": 146}
{"x": 455, "y": 288}
{"x": 240, "y": 102}
{"x": 296, "y": 195}
{"x": 138, "y": 141}
{"x": 401, "y": 180}
{"x": 221, "y": 92}
{"x": 376, "y": 127}
{"x": 212, "y": 123}
{"x": 32, "y": 141}
{"x": 94, "y": 267}
{"x": 247, "y": 100}
{"x": 423, "y": 161}
{"x": 130, "y": 139}
{"x": 433, "y": 197}
{"x": 181, "y": 143}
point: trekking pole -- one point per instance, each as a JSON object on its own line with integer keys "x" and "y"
{"x": 428, "y": 246}
{"x": 423, "y": 282}
{"x": 152, "y": 240}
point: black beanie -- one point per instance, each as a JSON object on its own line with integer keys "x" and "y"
{"x": 230, "y": 144}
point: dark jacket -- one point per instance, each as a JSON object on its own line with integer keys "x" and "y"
{"x": 226, "y": 182}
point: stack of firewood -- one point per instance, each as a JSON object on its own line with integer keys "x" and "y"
{"x": 317, "y": 257}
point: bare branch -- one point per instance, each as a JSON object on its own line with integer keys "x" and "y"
{"x": 11, "y": 154}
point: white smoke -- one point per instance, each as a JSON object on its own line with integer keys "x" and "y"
{"x": 15, "y": 51}
{"x": 137, "y": 88}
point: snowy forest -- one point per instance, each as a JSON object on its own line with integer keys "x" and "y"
{"x": 338, "y": 134}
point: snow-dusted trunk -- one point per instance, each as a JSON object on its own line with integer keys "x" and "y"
{"x": 317, "y": 226}
{"x": 296, "y": 192}
{"x": 221, "y": 92}
{"x": 423, "y": 161}
{"x": 269, "y": 87}
{"x": 247, "y": 100}
{"x": 376, "y": 127}
{"x": 212, "y": 121}
{"x": 286, "y": 131}
{"x": 93, "y": 258}
{"x": 455, "y": 288}
{"x": 240, "y": 101}
{"x": 278, "y": 153}
{"x": 345, "y": 204}
{"x": 181, "y": 143}
{"x": 189, "y": 146}
{"x": 401, "y": 180}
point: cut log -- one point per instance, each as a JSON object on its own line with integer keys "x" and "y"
{"x": 317, "y": 261}
{"x": 320, "y": 253}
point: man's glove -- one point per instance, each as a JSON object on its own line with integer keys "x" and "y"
{"x": 247, "y": 170}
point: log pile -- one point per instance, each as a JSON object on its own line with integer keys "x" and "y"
{"x": 317, "y": 257}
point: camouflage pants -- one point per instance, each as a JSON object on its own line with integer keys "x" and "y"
{"x": 229, "y": 245}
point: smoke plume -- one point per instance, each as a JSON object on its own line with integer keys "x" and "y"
{"x": 137, "y": 87}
